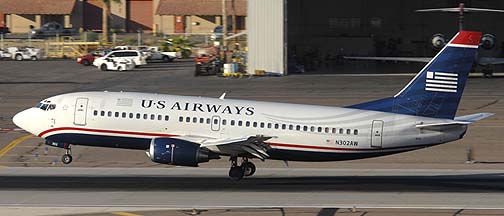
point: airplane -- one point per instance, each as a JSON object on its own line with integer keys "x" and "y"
{"x": 438, "y": 41}
{"x": 187, "y": 130}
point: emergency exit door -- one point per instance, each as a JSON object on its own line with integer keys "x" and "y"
{"x": 377, "y": 134}
{"x": 80, "y": 111}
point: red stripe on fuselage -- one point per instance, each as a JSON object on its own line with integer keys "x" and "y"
{"x": 105, "y": 131}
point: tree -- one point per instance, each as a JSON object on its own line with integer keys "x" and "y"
{"x": 105, "y": 17}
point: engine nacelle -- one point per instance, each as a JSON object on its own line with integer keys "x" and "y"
{"x": 179, "y": 152}
{"x": 488, "y": 41}
{"x": 438, "y": 41}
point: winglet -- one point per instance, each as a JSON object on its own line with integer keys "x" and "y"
{"x": 222, "y": 96}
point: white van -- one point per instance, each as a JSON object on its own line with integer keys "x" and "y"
{"x": 132, "y": 55}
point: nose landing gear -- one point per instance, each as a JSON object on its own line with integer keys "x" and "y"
{"x": 246, "y": 168}
{"x": 67, "y": 157}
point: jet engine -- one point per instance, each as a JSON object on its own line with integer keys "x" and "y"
{"x": 178, "y": 152}
{"x": 438, "y": 41}
{"x": 488, "y": 41}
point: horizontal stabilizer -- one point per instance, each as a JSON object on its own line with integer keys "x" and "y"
{"x": 458, "y": 121}
{"x": 473, "y": 117}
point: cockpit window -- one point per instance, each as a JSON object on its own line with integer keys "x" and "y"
{"x": 45, "y": 106}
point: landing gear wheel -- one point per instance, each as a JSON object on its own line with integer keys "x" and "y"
{"x": 66, "y": 159}
{"x": 236, "y": 173}
{"x": 248, "y": 168}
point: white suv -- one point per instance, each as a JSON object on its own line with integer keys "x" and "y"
{"x": 132, "y": 55}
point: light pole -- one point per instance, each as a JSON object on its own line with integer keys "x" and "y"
{"x": 139, "y": 37}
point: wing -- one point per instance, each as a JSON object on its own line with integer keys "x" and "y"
{"x": 402, "y": 59}
{"x": 248, "y": 145}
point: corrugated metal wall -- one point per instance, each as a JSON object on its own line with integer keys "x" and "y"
{"x": 267, "y": 36}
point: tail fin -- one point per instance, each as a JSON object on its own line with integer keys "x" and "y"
{"x": 436, "y": 90}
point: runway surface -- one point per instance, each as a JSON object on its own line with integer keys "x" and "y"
{"x": 188, "y": 188}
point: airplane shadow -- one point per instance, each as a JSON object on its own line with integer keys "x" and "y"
{"x": 477, "y": 183}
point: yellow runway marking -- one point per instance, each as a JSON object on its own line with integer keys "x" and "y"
{"x": 13, "y": 144}
{"x": 124, "y": 214}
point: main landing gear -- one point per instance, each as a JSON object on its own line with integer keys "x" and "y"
{"x": 67, "y": 157}
{"x": 246, "y": 168}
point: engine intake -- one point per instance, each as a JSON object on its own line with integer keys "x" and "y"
{"x": 178, "y": 152}
{"x": 438, "y": 41}
{"x": 488, "y": 41}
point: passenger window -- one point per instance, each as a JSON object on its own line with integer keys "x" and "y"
{"x": 262, "y": 125}
{"x": 145, "y": 116}
{"x": 298, "y": 127}
{"x": 327, "y": 130}
{"x": 240, "y": 123}
{"x": 195, "y": 120}
{"x": 159, "y": 117}
{"x": 224, "y": 121}
{"x": 312, "y": 129}
{"x": 131, "y": 115}
{"x": 305, "y": 128}
{"x": 188, "y": 119}
{"x": 181, "y": 119}
{"x": 152, "y": 117}
{"x": 208, "y": 121}
{"x": 356, "y": 132}
{"x": 277, "y": 126}
{"x": 116, "y": 114}
{"x": 216, "y": 121}
{"x": 102, "y": 113}
{"x": 269, "y": 125}
{"x": 334, "y": 130}
{"x": 109, "y": 113}
{"x": 232, "y": 122}
{"x": 319, "y": 129}
{"x": 348, "y": 131}
{"x": 138, "y": 115}
{"x": 341, "y": 130}
{"x": 255, "y": 124}
{"x": 201, "y": 120}
{"x": 247, "y": 124}
{"x": 291, "y": 127}
{"x": 284, "y": 126}
{"x": 124, "y": 114}
{"x": 166, "y": 118}
{"x": 95, "y": 112}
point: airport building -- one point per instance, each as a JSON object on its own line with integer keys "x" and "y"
{"x": 286, "y": 36}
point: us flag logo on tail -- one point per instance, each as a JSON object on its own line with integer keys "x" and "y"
{"x": 441, "y": 82}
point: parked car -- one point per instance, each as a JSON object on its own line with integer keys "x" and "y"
{"x": 25, "y": 53}
{"x": 89, "y": 58}
{"x": 134, "y": 55}
{"x": 117, "y": 64}
{"x": 4, "y": 30}
{"x": 155, "y": 54}
{"x": 5, "y": 54}
{"x": 51, "y": 29}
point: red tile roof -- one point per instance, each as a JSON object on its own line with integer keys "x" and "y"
{"x": 200, "y": 7}
{"x": 37, "y": 6}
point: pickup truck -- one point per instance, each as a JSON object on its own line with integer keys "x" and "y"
{"x": 52, "y": 29}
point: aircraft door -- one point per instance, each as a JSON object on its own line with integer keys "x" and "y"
{"x": 216, "y": 122}
{"x": 377, "y": 134}
{"x": 80, "y": 111}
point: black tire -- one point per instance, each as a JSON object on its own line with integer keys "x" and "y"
{"x": 19, "y": 57}
{"x": 166, "y": 59}
{"x": 86, "y": 62}
{"x": 34, "y": 58}
{"x": 236, "y": 173}
{"x": 248, "y": 168}
{"x": 103, "y": 67}
{"x": 120, "y": 69}
{"x": 66, "y": 159}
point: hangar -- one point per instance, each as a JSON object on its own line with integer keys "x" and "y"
{"x": 290, "y": 36}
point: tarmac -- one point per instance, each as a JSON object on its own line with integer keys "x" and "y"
{"x": 33, "y": 178}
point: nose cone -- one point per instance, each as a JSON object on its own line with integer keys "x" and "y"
{"x": 23, "y": 119}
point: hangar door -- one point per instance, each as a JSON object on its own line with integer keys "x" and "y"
{"x": 140, "y": 15}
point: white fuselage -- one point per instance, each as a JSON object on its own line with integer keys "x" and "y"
{"x": 300, "y": 132}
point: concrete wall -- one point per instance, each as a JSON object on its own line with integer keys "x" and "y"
{"x": 21, "y": 23}
{"x": 267, "y": 36}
